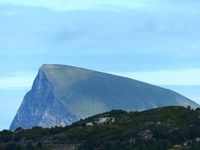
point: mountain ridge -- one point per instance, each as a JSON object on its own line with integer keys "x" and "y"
{"x": 63, "y": 94}
{"x": 166, "y": 128}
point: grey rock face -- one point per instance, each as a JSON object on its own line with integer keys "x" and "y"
{"x": 61, "y": 95}
{"x": 40, "y": 107}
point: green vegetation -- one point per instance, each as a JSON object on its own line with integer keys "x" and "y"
{"x": 168, "y": 128}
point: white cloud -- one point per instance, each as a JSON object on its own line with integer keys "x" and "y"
{"x": 87, "y": 4}
{"x": 159, "y": 6}
{"x": 188, "y": 77}
{"x": 19, "y": 80}
{"x": 65, "y": 4}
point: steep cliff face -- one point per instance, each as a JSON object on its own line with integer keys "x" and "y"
{"x": 62, "y": 95}
{"x": 41, "y": 108}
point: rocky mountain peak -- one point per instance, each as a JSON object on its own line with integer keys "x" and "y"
{"x": 62, "y": 94}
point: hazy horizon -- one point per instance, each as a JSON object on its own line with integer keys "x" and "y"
{"x": 155, "y": 41}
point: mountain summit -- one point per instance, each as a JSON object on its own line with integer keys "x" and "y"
{"x": 62, "y": 94}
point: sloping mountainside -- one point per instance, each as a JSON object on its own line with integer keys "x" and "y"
{"x": 168, "y": 128}
{"x": 61, "y": 95}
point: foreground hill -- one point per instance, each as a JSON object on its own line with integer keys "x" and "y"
{"x": 61, "y": 95}
{"x": 167, "y": 128}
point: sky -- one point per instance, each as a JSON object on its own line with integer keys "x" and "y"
{"x": 156, "y": 41}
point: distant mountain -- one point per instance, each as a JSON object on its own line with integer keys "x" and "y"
{"x": 62, "y": 94}
{"x": 168, "y": 128}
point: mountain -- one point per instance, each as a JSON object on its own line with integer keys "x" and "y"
{"x": 167, "y": 128}
{"x": 62, "y": 94}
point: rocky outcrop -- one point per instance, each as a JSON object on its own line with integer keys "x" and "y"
{"x": 61, "y": 95}
{"x": 145, "y": 135}
{"x": 41, "y": 108}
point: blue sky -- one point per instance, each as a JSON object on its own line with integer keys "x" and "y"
{"x": 156, "y": 41}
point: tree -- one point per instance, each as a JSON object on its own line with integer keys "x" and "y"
{"x": 39, "y": 145}
{"x": 11, "y": 146}
{"x": 29, "y": 146}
